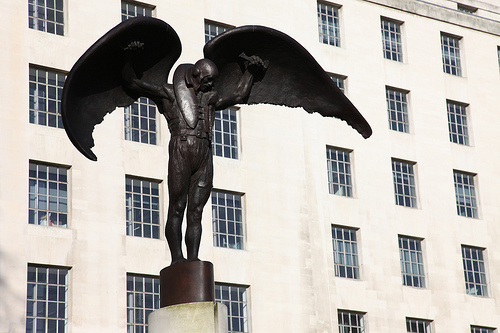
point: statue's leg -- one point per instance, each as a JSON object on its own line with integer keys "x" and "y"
{"x": 178, "y": 187}
{"x": 199, "y": 193}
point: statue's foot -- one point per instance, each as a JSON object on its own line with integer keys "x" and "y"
{"x": 178, "y": 261}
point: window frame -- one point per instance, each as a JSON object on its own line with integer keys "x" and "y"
{"x": 483, "y": 274}
{"x": 354, "y": 253}
{"x": 346, "y": 189}
{"x": 216, "y": 219}
{"x": 132, "y": 310}
{"x": 326, "y": 38}
{"x": 396, "y": 124}
{"x": 413, "y": 176}
{"x": 482, "y": 329}
{"x": 245, "y": 318}
{"x": 462, "y": 207}
{"x": 463, "y": 136}
{"x": 456, "y": 69}
{"x": 428, "y": 325}
{"x": 130, "y": 130}
{"x": 234, "y": 150}
{"x": 34, "y": 20}
{"x": 143, "y": 6}
{"x": 217, "y": 25}
{"x": 399, "y": 55}
{"x": 421, "y": 278}
{"x": 339, "y": 77}
{"x": 361, "y": 319}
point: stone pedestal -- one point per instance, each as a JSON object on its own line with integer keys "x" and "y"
{"x": 199, "y": 317}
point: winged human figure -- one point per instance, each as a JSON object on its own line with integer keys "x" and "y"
{"x": 245, "y": 65}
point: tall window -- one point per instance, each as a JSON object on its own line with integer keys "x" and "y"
{"x": 46, "y": 15}
{"x": 227, "y": 220}
{"x": 474, "y": 271}
{"x": 142, "y": 201}
{"x": 465, "y": 194}
{"x": 140, "y": 121}
{"x": 213, "y": 29}
{"x": 45, "y": 90}
{"x": 450, "y": 47}
{"x": 397, "y": 109}
{"x": 345, "y": 252}
{"x": 47, "y": 299}
{"x": 131, "y": 9}
{"x": 391, "y": 39}
{"x": 236, "y": 299}
{"x": 404, "y": 183}
{"x": 457, "y": 122}
{"x": 339, "y": 81}
{"x": 418, "y": 325}
{"x": 48, "y": 195}
{"x": 328, "y": 24}
{"x": 143, "y": 296}
{"x": 225, "y": 134}
{"x": 412, "y": 262}
{"x": 339, "y": 171}
{"x": 480, "y": 329}
{"x": 351, "y": 322}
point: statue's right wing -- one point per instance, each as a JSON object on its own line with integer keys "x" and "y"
{"x": 94, "y": 86}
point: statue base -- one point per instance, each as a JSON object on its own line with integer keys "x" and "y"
{"x": 187, "y": 282}
{"x": 200, "y": 317}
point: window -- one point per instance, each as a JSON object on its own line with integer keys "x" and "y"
{"x": 328, "y": 24}
{"x": 391, "y": 39}
{"x": 466, "y": 9}
{"x": 450, "y": 47}
{"x": 397, "y": 109}
{"x": 339, "y": 81}
{"x": 457, "y": 123}
{"x": 130, "y": 9}
{"x": 412, "y": 263}
{"x": 143, "y": 296}
{"x": 351, "y": 322}
{"x": 48, "y": 195}
{"x": 465, "y": 194}
{"x": 339, "y": 171}
{"x": 46, "y": 15}
{"x": 404, "y": 183}
{"x": 345, "y": 252}
{"x": 227, "y": 220}
{"x": 142, "y": 200}
{"x": 474, "y": 271}
{"x": 45, "y": 96}
{"x": 225, "y": 134}
{"x": 479, "y": 329}
{"x": 498, "y": 54}
{"x": 418, "y": 325}
{"x": 213, "y": 29}
{"x": 140, "y": 121}
{"x": 47, "y": 299}
{"x": 236, "y": 300}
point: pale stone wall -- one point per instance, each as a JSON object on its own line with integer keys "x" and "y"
{"x": 282, "y": 172}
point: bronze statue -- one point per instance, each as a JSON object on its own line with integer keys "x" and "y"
{"x": 245, "y": 65}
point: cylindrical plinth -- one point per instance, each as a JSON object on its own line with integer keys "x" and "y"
{"x": 187, "y": 282}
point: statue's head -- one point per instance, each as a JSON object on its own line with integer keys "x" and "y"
{"x": 203, "y": 74}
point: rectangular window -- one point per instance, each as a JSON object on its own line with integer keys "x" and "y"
{"x": 339, "y": 81}
{"x": 345, "y": 252}
{"x": 47, "y": 16}
{"x": 418, "y": 325}
{"x": 48, "y": 195}
{"x": 45, "y": 93}
{"x": 328, "y": 24}
{"x": 143, "y": 296}
{"x": 474, "y": 271}
{"x": 466, "y": 9}
{"x": 391, "y": 39}
{"x": 339, "y": 171}
{"x": 480, "y": 329}
{"x": 236, "y": 299}
{"x": 457, "y": 123}
{"x": 350, "y": 321}
{"x": 465, "y": 194}
{"x": 412, "y": 262}
{"x": 225, "y": 134}
{"x": 140, "y": 121}
{"x": 397, "y": 109}
{"x": 405, "y": 192}
{"x": 47, "y": 299}
{"x": 227, "y": 220}
{"x": 450, "y": 47}
{"x": 142, "y": 201}
{"x": 131, "y": 9}
{"x": 213, "y": 29}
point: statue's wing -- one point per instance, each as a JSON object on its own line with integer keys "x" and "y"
{"x": 94, "y": 87}
{"x": 292, "y": 78}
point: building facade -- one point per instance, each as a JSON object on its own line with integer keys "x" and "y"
{"x": 310, "y": 227}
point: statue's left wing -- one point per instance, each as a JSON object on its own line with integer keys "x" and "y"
{"x": 292, "y": 77}
{"x": 94, "y": 86}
